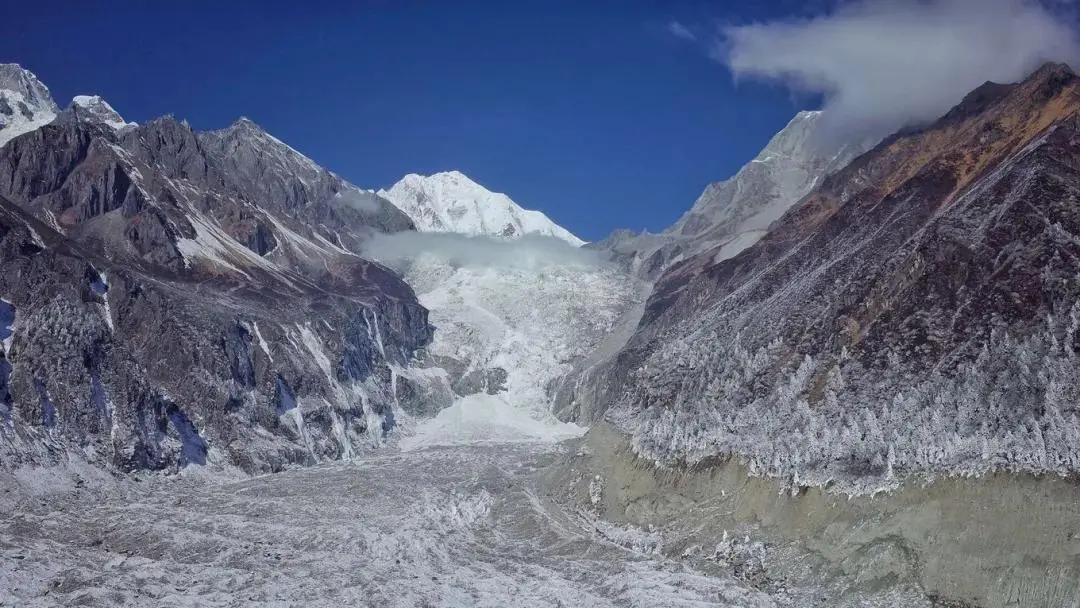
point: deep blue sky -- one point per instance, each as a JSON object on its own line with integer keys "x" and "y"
{"x": 590, "y": 111}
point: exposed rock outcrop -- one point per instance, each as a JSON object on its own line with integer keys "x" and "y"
{"x": 181, "y": 297}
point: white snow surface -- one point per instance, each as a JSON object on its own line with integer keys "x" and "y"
{"x": 25, "y": 102}
{"x": 531, "y": 307}
{"x": 99, "y": 110}
{"x": 443, "y": 527}
{"x": 485, "y": 419}
{"x": 451, "y": 202}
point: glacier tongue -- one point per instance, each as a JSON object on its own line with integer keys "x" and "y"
{"x": 451, "y": 202}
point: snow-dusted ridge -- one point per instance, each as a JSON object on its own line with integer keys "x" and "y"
{"x": 27, "y": 105}
{"x": 452, "y": 202}
{"x": 93, "y": 107}
{"x": 25, "y": 102}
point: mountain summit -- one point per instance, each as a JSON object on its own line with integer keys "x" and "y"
{"x": 96, "y": 109}
{"x": 451, "y": 202}
{"x": 733, "y": 214}
{"x": 25, "y": 102}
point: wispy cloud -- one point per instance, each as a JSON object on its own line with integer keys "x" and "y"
{"x": 882, "y": 64}
{"x": 680, "y": 31}
{"x": 360, "y": 200}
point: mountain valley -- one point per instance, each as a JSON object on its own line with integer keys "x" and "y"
{"x": 833, "y": 363}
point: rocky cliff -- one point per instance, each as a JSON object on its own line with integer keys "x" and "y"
{"x": 174, "y": 297}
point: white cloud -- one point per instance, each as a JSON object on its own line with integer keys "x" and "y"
{"x": 361, "y": 200}
{"x": 401, "y": 249}
{"x": 882, "y": 64}
{"x": 681, "y": 31}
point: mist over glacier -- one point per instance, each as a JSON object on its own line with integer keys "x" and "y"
{"x": 528, "y": 252}
{"x": 518, "y": 312}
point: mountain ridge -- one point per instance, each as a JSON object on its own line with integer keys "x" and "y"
{"x": 913, "y": 290}
{"x": 174, "y": 297}
{"x": 734, "y": 213}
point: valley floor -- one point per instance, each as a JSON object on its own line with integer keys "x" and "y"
{"x": 439, "y": 526}
{"x": 464, "y": 513}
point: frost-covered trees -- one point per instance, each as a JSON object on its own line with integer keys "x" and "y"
{"x": 1014, "y": 405}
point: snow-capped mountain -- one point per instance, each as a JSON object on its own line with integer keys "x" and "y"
{"x": 94, "y": 108}
{"x": 451, "y": 202}
{"x": 790, "y": 166}
{"x": 735, "y": 213}
{"x": 25, "y": 102}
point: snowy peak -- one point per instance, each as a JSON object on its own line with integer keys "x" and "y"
{"x": 93, "y": 108}
{"x": 25, "y": 102}
{"x": 794, "y": 161}
{"x": 452, "y": 202}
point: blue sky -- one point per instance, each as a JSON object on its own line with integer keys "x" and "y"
{"x": 593, "y": 112}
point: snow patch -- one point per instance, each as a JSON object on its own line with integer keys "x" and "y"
{"x": 739, "y": 243}
{"x": 7, "y": 325}
{"x": 313, "y": 345}
{"x": 100, "y": 287}
{"x": 262, "y": 343}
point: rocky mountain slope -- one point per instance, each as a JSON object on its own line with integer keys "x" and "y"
{"x": 727, "y": 218}
{"x": 174, "y": 297}
{"x": 25, "y": 102}
{"x": 915, "y": 313}
{"x": 451, "y": 202}
{"x": 733, "y": 214}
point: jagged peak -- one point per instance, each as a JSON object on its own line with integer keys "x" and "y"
{"x": 244, "y": 125}
{"x": 93, "y": 107}
{"x": 247, "y": 132}
{"x": 19, "y": 80}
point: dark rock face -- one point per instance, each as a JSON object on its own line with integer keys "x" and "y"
{"x": 172, "y": 297}
{"x": 916, "y": 312}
